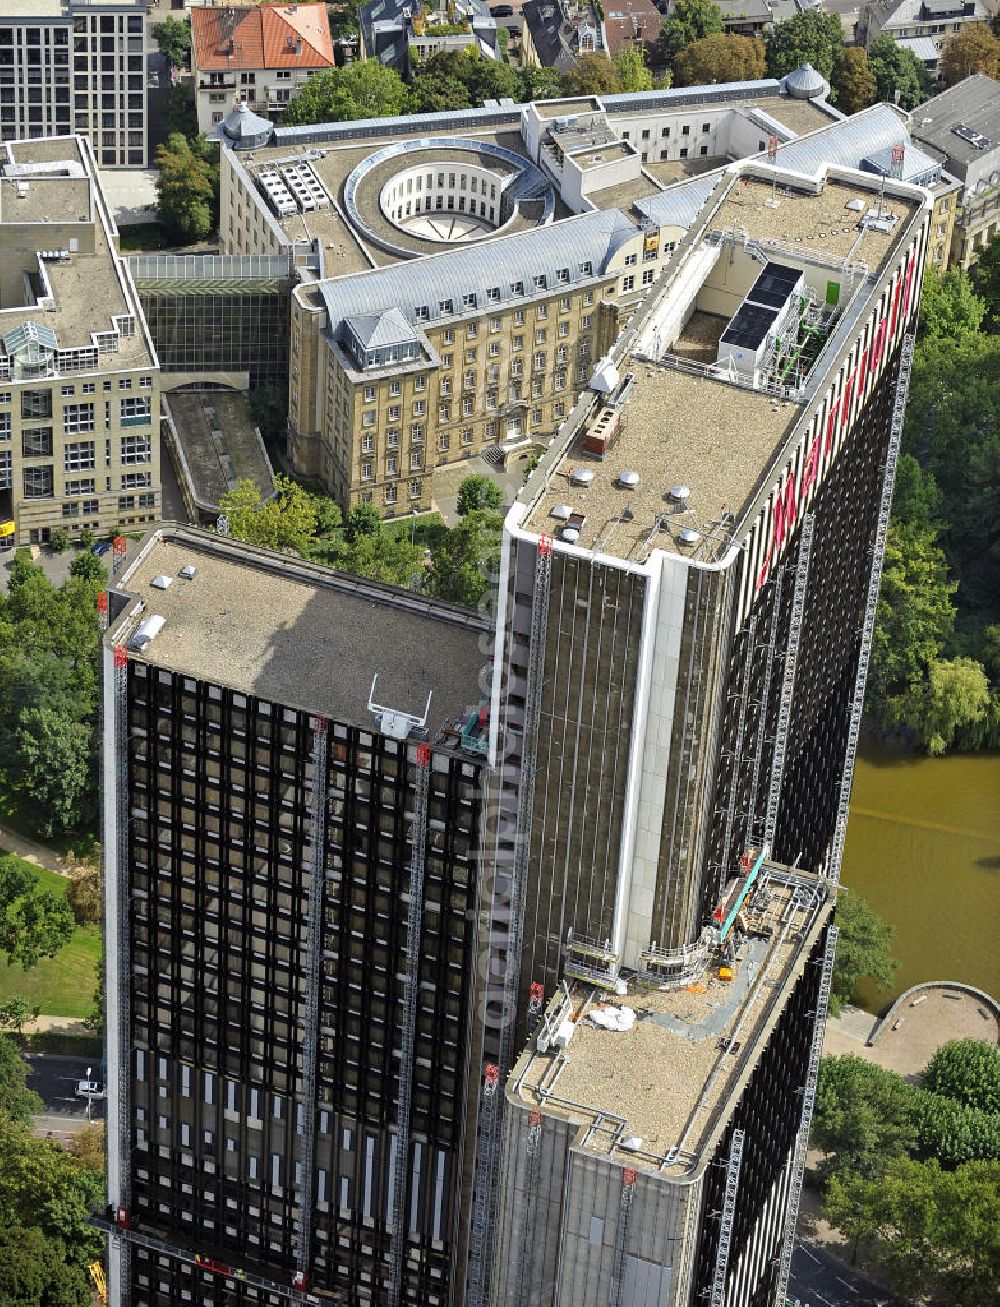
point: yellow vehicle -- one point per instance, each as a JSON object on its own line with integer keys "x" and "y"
{"x": 100, "y": 1283}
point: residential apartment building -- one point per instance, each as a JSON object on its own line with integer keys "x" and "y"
{"x": 937, "y": 20}
{"x": 261, "y": 56}
{"x": 79, "y": 377}
{"x": 961, "y": 128}
{"x": 402, "y": 33}
{"x": 76, "y": 66}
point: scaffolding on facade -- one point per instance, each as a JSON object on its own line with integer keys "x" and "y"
{"x": 808, "y": 1103}
{"x": 414, "y": 915}
{"x": 481, "y": 1243}
{"x": 314, "y": 981}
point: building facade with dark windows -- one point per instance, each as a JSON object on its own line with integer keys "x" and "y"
{"x": 76, "y": 66}
{"x": 282, "y": 1025}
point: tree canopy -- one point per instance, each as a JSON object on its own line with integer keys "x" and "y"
{"x": 975, "y": 49}
{"x": 691, "y": 20}
{"x": 865, "y": 1117}
{"x": 478, "y": 492}
{"x": 462, "y": 564}
{"x": 363, "y": 89}
{"x": 35, "y": 1273}
{"x": 286, "y": 521}
{"x": 719, "y": 58}
{"x": 934, "y": 1230}
{"x": 187, "y": 186}
{"x": 897, "y": 69}
{"x": 173, "y": 38}
{"x": 914, "y": 619}
{"x": 863, "y": 949}
{"x": 950, "y": 309}
{"x": 17, "y": 1101}
{"x": 34, "y": 922}
{"x": 810, "y": 37}
{"x": 853, "y": 81}
{"x": 967, "y": 1070}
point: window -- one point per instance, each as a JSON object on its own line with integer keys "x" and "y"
{"x": 128, "y": 501}
{"x": 395, "y": 388}
{"x": 647, "y": 277}
{"x": 369, "y": 394}
{"x": 586, "y": 321}
{"x": 91, "y": 507}
{"x": 414, "y": 489}
{"x": 135, "y": 449}
{"x": 416, "y": 431}
{"x": 147, "y": 501}
{"x": 68, "y": 390}
{"x": 631, "y": 260}
{"x": 466, "y": 435}
{"x": 81, "y": 486}
{"x": 444, "y": 442}
{"x": 392, "y": 438}
{"x": 390, "y": 494}
{"x": 419, "y": 383}
{"x": 368, "y": 417}
{"x": 36, "y": 442}
{"x": 80, "y": 417}
{"x": 449, "y": 335}
{"x": 703, "y": 151}
{"x": 71, "y": 510}
{"x": 706, "y": 128}
{"x": 394, "y": 411}
{"x": 685, "y": 131}
{"x": 366, "y": 470}
{"x": 136, "y": 480}
{"x": 38, "y": 482}
{"x": 124, "y": 383}
{"x": 36, "y": 404}
{"x": 89, "y": 387}
{"x": 367, "y": 444}
{"x": 628, "y": 283}
{"x": 419, "y": 408}
{"x": 665, "y": 133}
{"x": 78, "y": 456}
{"x": 468, "y": 406}
{"x": 392, "y": 465}
{"x": 135, "y": 412}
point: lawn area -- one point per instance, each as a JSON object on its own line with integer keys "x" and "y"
{"x": 425, "y": 529}
{"x": 62, "y": 986}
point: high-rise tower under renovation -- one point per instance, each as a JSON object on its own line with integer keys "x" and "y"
{"x": 361, "y": 845}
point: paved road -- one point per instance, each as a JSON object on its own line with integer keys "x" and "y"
{"x": 53, "y": 1078}
{"x": 819, "y": 1279}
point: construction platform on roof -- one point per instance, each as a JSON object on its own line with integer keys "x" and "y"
{"x": 292, "y": 632}
{"x": 676, "y": 415}
{"x": 707, "y": 1033}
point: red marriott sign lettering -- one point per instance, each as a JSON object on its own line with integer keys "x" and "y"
{"x": 795, "y": 490}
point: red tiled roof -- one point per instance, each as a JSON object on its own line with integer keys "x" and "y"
{"x": 620, "y": 28}
{"x": 267, "y": 36}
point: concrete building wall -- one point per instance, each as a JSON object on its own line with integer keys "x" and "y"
{"x": 559, "y": 1220}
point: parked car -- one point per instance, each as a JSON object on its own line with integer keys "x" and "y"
{"x": 90, "y": 1089}
{"x": 101, "y": 548}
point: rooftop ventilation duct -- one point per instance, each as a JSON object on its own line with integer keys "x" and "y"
{"x": 680, "y": 494}
{"x": 628, "y": 479}
{"x": 146, "y": 632}
{"x": 581, "y": 476}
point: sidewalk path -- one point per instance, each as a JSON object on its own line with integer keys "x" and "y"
{"x": 40, "y": 855}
